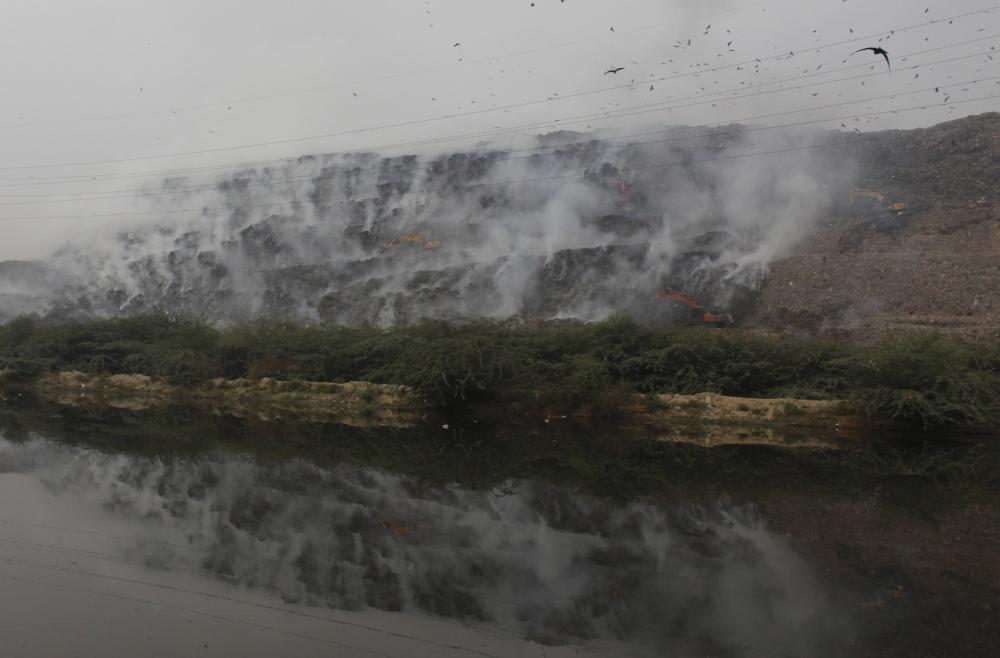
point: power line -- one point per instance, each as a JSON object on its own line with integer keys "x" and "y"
{"x": 666, "y": 105}
{"x": 588, "y": 145}
{"x": 540, "y": 179}
{"x": 604, "y": 115}
{"x": 414, "y": 122}
{"x": 403, "y": 74}
{"x": 135, "y": 193}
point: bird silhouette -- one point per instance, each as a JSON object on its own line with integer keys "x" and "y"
{"x": 877, "y": 51}
{"x": 613, "y": 71}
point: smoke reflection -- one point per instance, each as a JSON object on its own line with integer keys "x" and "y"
{"x": 556, "y": 566}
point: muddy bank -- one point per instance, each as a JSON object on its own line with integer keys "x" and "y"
{"x": 706, "y": 419}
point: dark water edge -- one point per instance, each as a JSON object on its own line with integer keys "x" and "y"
{"x": 899, "y": 540}
{"x": 601, "y": 460}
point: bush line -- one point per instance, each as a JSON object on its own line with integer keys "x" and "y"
{"x": 925, "y": 379}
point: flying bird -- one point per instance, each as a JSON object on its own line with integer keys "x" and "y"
{"x": 614, "y": 71}
{"x": 877, "y": 51}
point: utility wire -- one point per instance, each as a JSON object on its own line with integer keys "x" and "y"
{"x": 426, "y": 120}
{"x": 734, "y": 90}
{"x": 404, "y": 74}
{"x": 645, "y": 108}
{"x": 539, "y": 179}
{"x": 580, "y": 146}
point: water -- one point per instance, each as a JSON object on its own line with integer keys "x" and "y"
{"x": 126, "y": 542}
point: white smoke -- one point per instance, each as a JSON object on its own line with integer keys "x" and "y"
{"x": 541, "y": 230}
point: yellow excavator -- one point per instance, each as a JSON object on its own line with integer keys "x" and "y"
{"x": 875, "y": 200}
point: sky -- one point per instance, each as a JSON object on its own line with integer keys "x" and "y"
{"x": 106, "y": 95}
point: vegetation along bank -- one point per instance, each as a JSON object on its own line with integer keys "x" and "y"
{"x": 618, "y": 368}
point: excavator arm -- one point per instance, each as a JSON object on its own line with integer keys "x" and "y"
{"x": 698, "y": 312}
{"x": 675, "y": 296}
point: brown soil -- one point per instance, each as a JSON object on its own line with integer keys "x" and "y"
{"x": 940, "y": 270}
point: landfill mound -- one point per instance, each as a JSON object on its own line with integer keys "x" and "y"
{"x": 933, "y": 267}
{"x": 757, "y": 224}
{"x": 571, "y": 228}
{"x": 950, "y": 164}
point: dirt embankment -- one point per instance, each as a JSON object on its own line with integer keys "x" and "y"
{"x": 706, "y": 419}
{"x": 709, "y": 419}
{"x": 358, "y": 404}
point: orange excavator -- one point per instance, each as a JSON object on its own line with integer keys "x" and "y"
{"x": 698, "y": 313}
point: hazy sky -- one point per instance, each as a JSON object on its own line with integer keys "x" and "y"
{"x": 121, "y": 80}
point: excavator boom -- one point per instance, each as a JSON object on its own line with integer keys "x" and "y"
{"x": 698, "y": 312}
{"x": 673, "y": 295}
{"x": 877, "y": 199}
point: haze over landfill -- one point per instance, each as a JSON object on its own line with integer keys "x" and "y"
{"x": 138, "y": 89}
{"x": 543, "y": 328}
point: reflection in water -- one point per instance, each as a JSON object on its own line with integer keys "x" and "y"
{"x": 553, "y": 565}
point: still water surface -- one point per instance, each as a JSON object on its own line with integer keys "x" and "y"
{"x": 108, "y": 553}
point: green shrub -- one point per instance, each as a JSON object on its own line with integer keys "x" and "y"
{"x": 928, "y": 379}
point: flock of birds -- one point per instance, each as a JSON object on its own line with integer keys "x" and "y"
{"x": 876, "y": 50}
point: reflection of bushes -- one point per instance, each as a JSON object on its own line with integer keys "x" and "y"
{"x": 929, "y": 380}
{"x": 598, "y": 462}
